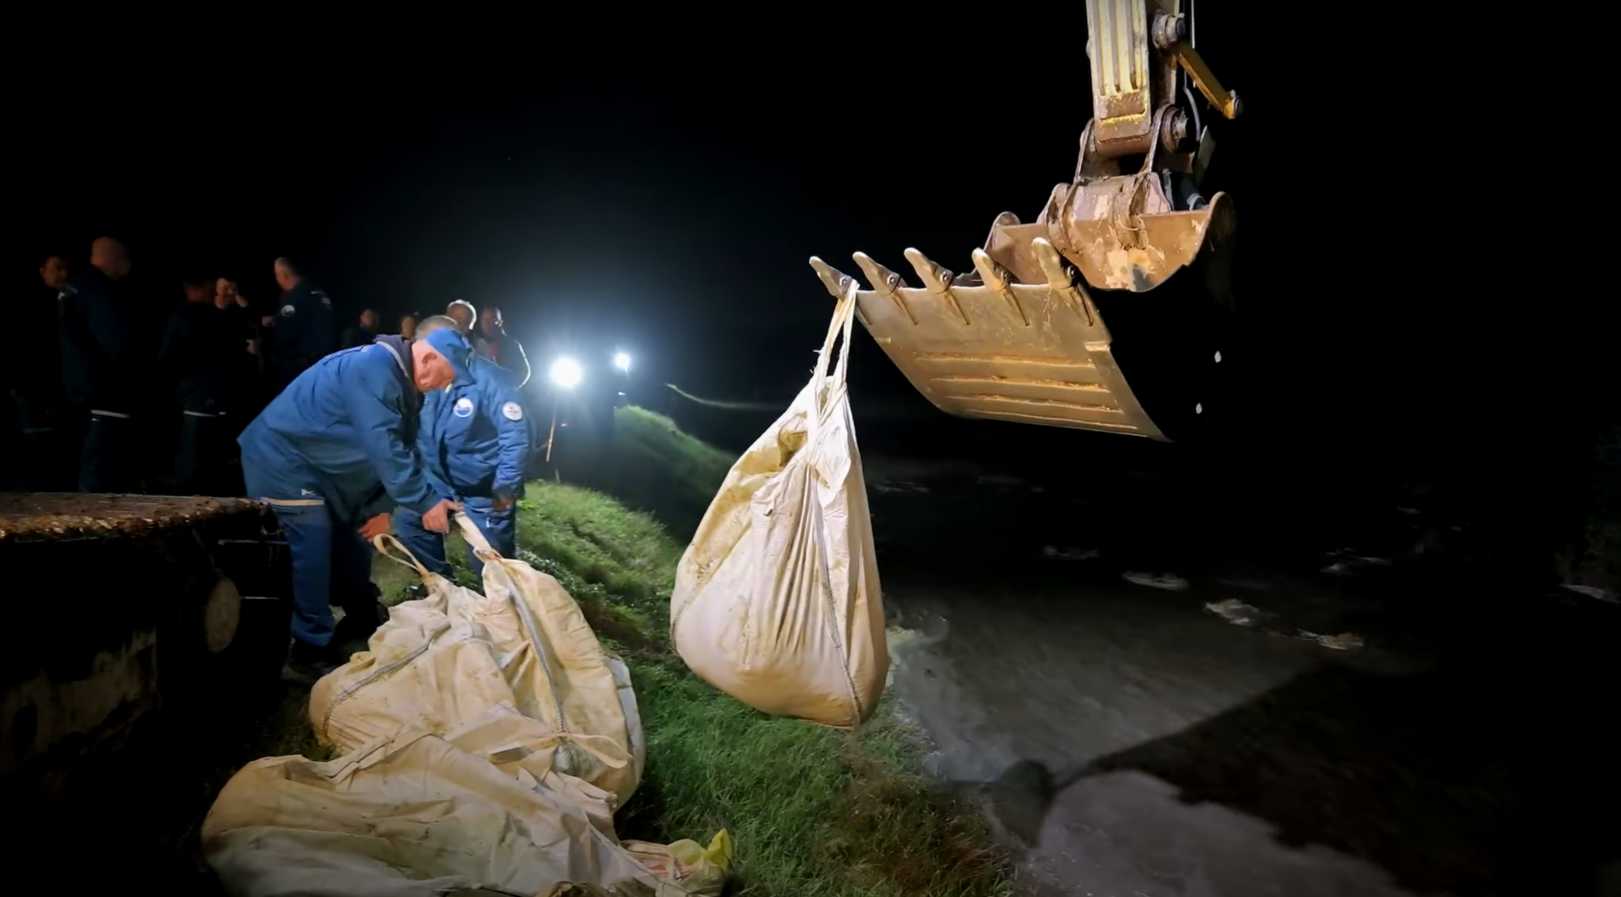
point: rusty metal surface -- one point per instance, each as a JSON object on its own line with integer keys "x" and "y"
{"x": 31, "y": 516}
{"x": 1128, "y": 81}
{"x": 1009, "y": 245}
{"x": 1169, "y": 30}
{"x": 1173, "y": 132}
{"x": 105, "y": 586}
{"x": 987, "y": 346}
{"x": 1122, "y": 231}
{"x": 1140, "y": 254}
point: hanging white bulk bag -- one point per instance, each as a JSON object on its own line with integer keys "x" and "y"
{"x": 776, "y": 600}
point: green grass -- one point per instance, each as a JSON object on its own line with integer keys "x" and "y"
{"x": 600, "y": 541}
{"x": 651, "y": 465}
{"x": 813, "y": 811}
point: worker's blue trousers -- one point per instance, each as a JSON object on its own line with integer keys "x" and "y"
{"x": 329, "y": 560}
{"x": 500, "y": 527}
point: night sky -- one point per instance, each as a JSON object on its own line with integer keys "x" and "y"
{"x": 663, "y": 194}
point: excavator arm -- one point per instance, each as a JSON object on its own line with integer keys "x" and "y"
{"x": 1021, "y": 336}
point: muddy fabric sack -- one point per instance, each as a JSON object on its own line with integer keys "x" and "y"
{"x": 776, "y": 600}
{"x": 425, "y": 814}
{"x": 486, "y": 741}
{"x": 521, "y": 652}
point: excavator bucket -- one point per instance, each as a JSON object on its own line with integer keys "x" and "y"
{"x": 989, "y": 345}
{"x": 1020, "y": 338}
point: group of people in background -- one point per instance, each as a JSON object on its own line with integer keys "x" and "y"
{"x": 346, "y": 433}
{"x": 122, "y": 392}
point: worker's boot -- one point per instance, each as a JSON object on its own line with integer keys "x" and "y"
{"x": 307, "y": 663}
{"x": 361, "y": 618}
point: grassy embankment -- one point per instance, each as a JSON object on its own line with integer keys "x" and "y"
{"x": 813, "y": 811}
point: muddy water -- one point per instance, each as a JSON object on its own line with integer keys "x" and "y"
{"x": 1128, "y": 741}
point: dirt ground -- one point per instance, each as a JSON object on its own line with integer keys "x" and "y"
{"x": 1129, "y": 741}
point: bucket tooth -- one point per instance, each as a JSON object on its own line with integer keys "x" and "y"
{"x": 998, "y": 279}
{"x": 885, "y": 283}
{"x": 882, "y": 279}
{"x": 840, "y": 284}
{"x": 936, "y": 280}
{"x": 1061, "y": 279}
{"x": 836, "y": 281}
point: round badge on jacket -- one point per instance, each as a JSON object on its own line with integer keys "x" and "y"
{"x": 287, "y": 311}
{"x": 463, "y": 407}
{"x": 512, "y": 411}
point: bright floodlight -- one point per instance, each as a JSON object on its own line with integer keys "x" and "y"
{"x": 622, "y": 361}
{"x": 566, "y": 372}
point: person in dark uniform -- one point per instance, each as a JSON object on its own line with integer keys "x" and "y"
{"x": 240, "y": 322}
{"x": 408, "y": 325}
{"x": 306, "y": 327}
{"x": 203, "y": 358}
{"x": 246, "y": 326}
{"x": 230, "y": 301}
{"x": 101, "y": 368}
{"x": 44, "y": 430}
{"x": 363, "y": 331}
{"x": 464, "y": 314}
{"x": 242, "y": 328}
{"x": 495, "y": 345}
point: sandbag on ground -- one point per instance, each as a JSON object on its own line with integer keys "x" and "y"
{"x": 419, "y": 813}
{"x": 455, "y": 656}
{"x": 487, "y": 742}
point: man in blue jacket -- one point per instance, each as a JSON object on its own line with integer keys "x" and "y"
{"x": 476, "y": 443}
{"x": 334, "y": 453}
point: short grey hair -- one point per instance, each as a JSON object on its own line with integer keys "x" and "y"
{"x": 470, "y": 310}
{"x": 435, "y": 322}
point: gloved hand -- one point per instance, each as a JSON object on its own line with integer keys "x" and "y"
{"x": 437, "y": 520}
{"x": 376, "y": 526}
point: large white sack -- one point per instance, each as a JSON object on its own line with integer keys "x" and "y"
{"x": 424, "y": 814}
{"x": 776, "y": 600}
{"x": 521, "y": 652}
{"x": 488, "y": 741}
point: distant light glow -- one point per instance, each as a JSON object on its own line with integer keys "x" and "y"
{"x": 566, "y": 372}
{"x": 622, "y": 361}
